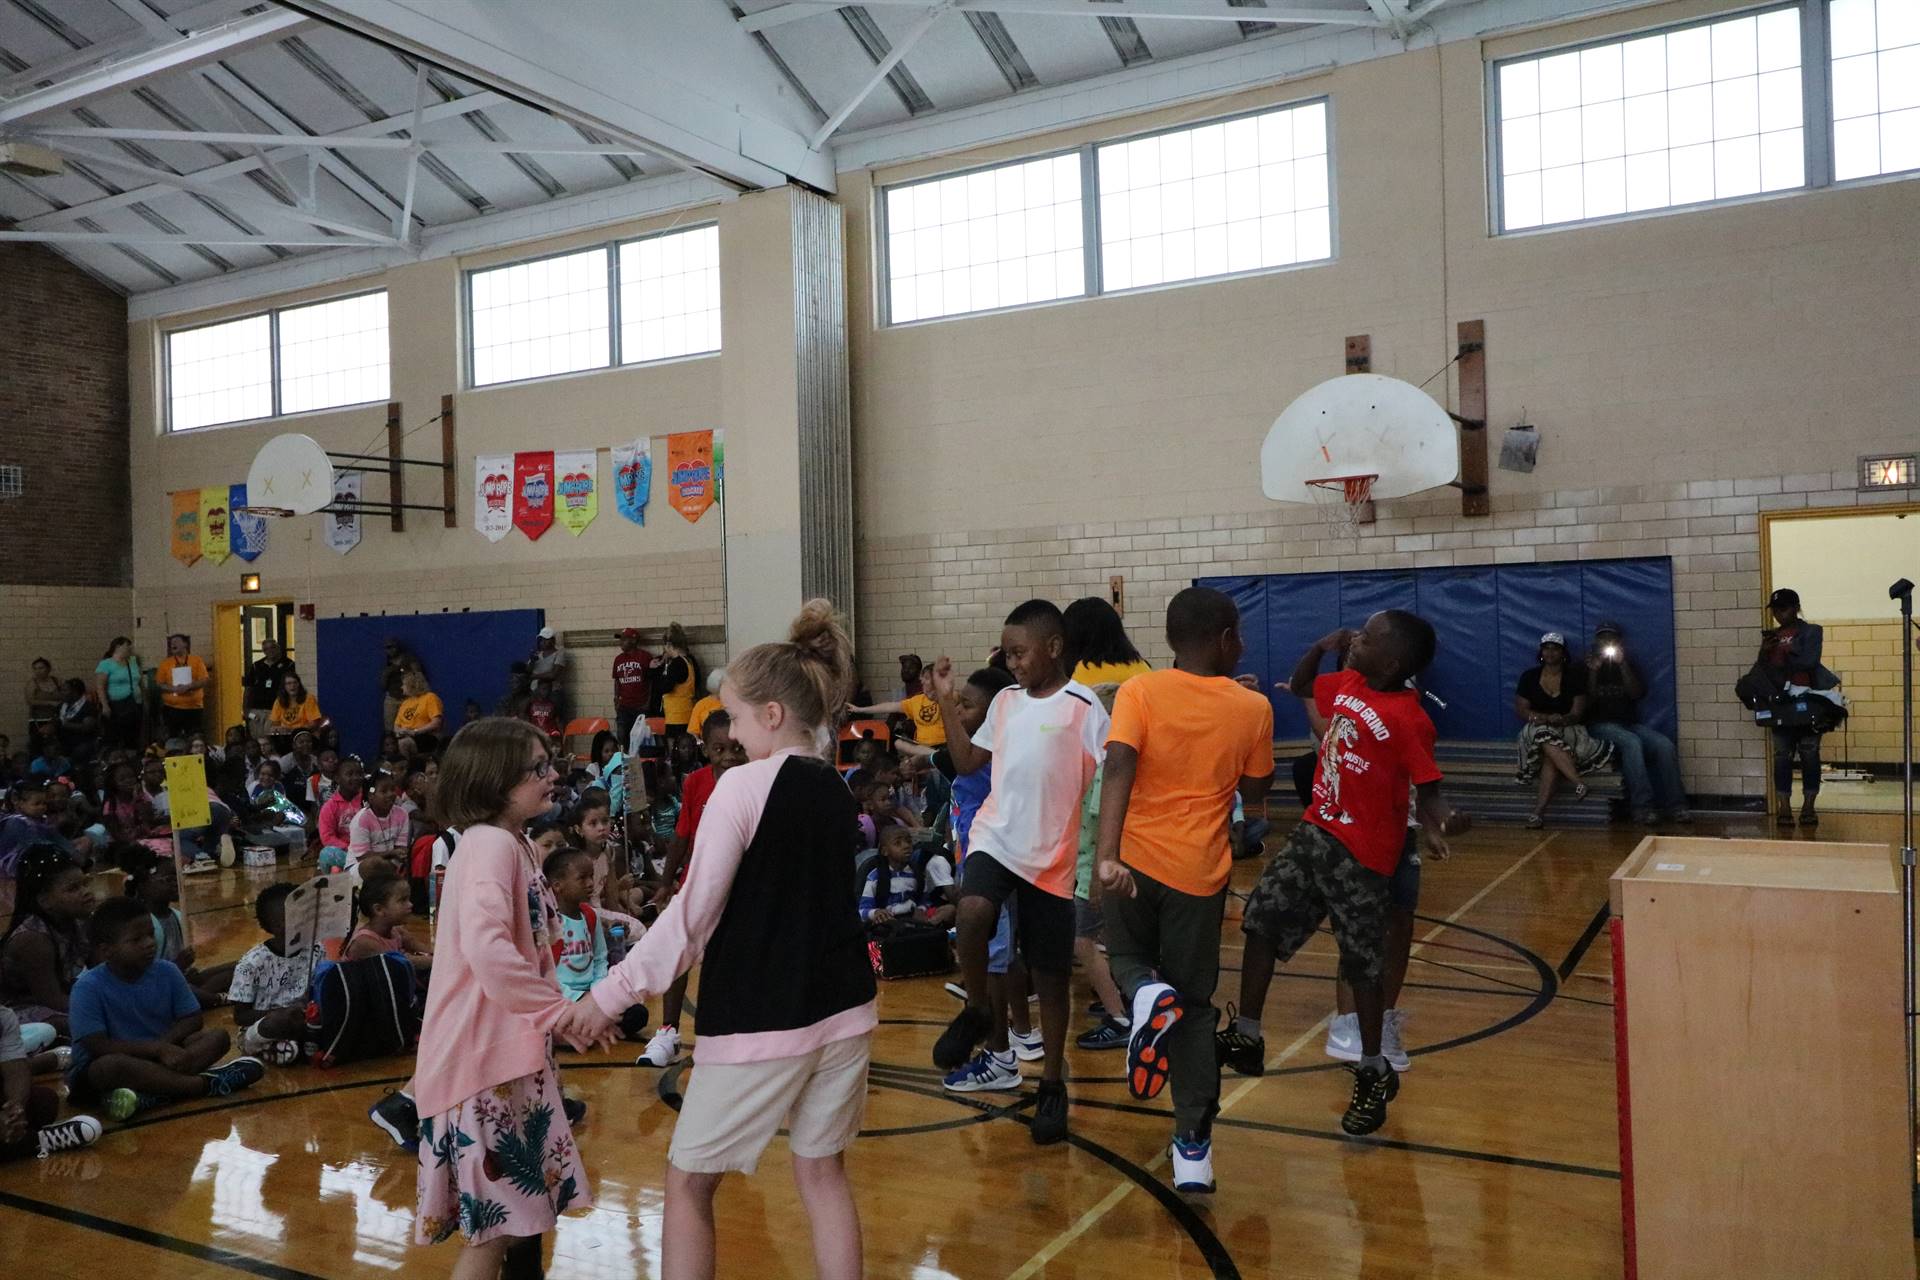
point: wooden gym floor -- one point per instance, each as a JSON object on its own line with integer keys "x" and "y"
{"x": 1498, "y": 1160}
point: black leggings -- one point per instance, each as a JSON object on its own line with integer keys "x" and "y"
{"x": 123, "y": 724}
{"x": 1805, "y": 745}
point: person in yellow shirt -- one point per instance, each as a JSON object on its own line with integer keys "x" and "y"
{"x": 295, "y": 708}
{"x": 929, "y": 730}
{"x": 420, "y": 715}
{"x": 678, "y": 680}
{"x": 707, "y": 705}
{"x": 1097, "y": 644}
{"x": 183, "y": 687}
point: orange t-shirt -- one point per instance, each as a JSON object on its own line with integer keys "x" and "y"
{"x": 1196, "y": 736}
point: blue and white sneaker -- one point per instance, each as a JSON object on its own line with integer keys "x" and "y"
{"x": 1028, "y": 1047}
{"x": 1193, "y": 1165}
{"x": 986, "y": 1071}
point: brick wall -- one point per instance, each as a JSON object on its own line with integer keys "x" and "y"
{"x": 63, "y": 398}
{"x": 1865, "y": 654}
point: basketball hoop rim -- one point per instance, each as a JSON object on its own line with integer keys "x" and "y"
{"x": 1353, "y": 488}
{"x": 278, "y": 513}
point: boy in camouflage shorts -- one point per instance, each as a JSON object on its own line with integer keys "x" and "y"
{"x": 1340, "y": 860}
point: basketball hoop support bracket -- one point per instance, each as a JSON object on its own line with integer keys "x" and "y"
{"x": 1472, "y": 418}
{"x": 396, "y": 504}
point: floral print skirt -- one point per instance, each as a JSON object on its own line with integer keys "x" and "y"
{"x": 502, "y": 1163}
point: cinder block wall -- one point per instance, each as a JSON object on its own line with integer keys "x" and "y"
{"x": 1865, "y": 654}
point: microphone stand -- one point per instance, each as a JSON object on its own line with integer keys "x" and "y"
{"x": 1903, "y": 592}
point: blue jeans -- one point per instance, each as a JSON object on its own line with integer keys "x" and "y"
{"x": 1647, "y": 765}
{"x": 204, "y": 842}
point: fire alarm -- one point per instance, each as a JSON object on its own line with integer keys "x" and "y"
{"x": 306, "y": 613}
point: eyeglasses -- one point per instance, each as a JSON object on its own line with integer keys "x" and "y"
{"x": 542, "y": 767}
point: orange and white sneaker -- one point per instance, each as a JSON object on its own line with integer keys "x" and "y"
{"x": 1156, "y": 1011}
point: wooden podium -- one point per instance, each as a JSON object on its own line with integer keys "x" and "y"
{"x": 1758, "y": 1023}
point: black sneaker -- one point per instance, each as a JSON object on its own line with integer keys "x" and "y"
{"x": 1108, "y": 1035}
{"x": 1050, "y": 1113}
{"x": 1097, "y": 1009}
{"x": 231, "y": 1077}
{"x": 1372, "y": 1091}
{"x": 1234, "y": 1048}
{"x": 576, "y": 1110}
{"x": 956, "y": 1044}
{"x": 397, "y": 1118}
{"x": 1808, "y": 816}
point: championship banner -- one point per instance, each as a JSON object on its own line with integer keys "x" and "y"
{"x": 577, "y": 478}
{"x": 633, "y": 478}
{"x": 690, "y": 473}
{"x": 343, "y": 527}
{"x": 533, "y": 492}
{"x": 248, "y": 533}
{"x": 214, "y": 544}
{"x": 493, "y": 495}
{"x": 186, "y": 525}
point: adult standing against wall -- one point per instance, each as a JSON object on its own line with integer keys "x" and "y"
{"x": 117, "y": 682}
{"x": 678, "y": 680}
{"x": 549, "y": 662}
{"x": 1791, "y": 655}
{"x": 265, "y": 679}
{"x": 183, "y": 681}
{"x": 631, "y": 684}
{"x": 44, "y": 695}
{"x": 399, "y": 661}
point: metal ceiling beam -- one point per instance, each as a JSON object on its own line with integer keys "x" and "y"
{"x": 228, "y": 195}
{"x": 677, "y": 79}
{"x": 1189, "y": 10}
{"x": 880, "y": 71}
{"x": 233, "y": 168}
{"x": 195, "y": 19}
{"x": 1393, "y": 21}
{"x": 224, "y": 81}
{"x": 181, "y": 54}
{"x": 333, "y": 142}
{"x": 107, "y": 239}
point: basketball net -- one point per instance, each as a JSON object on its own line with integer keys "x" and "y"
{"x": 1345, "y": 503}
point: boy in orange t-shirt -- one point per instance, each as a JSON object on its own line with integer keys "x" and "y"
{"x": 1183, "y": 741}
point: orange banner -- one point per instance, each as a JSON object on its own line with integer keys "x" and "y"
{"x": 690, "y": 473}
{"x": 186, "y": 525}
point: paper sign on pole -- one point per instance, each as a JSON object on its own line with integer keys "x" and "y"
{"x": 187, "y": 805}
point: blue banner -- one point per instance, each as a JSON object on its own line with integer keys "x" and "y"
{"x": 633, "y": 478}
{"x": 247, "y": 532}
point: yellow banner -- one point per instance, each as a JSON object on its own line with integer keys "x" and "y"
{"x": 214, "y": 544}
{"x": 187, "y": 793}
{"x": 576, "y": 478}
{"x": 186, "y": 525}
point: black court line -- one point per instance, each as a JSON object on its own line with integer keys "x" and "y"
{"x": 172, "y": 1244}
{"x": 230, "y": 906}
{"x": 1579, "y": 951}
{"x": 1219, "y": 1262}
{"x": 1394, "y": 1144}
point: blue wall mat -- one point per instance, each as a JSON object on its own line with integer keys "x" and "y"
{"x": 1489, "y": 621}
{"x": 466, "y": 656}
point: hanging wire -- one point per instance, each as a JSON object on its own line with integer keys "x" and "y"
{"x": 1442, "y": 369}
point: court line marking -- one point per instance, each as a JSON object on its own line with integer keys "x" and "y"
{"x": 1579, "y": 952}
{"x": 141, "y": 1235}
{"x": 1091, "y": 1217}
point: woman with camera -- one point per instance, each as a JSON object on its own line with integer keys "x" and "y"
{"x": 1645, "y": 755}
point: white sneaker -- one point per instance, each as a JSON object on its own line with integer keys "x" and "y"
{"x": 986, "y": 1071}
{"x": 1343, "y": 1037}
{"x": 1392, "y": 1048}
{"x": 1193, "y": 1166}
{"x": 1027, "y": 1048}
{"x": 69, "y": 1135}
{"x": 279, "y": 1053}
{"x": 663, "y": 1050}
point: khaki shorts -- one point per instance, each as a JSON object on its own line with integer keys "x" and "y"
{"x": 732, "y": 1110}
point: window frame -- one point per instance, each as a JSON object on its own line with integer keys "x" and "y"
{"x": 611, "y": 249}
{"x": 1089, "y": 153}
{"x": 273, "y": 357}
{"x": 1816, "y": 118}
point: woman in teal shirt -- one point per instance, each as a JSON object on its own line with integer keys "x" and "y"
{"x": 116, "y": 686}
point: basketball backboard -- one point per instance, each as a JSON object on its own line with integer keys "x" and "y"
{"x": 291, "y": 473}
{"x": 1360, "y": 424}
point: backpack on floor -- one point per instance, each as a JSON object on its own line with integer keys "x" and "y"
{"x": 904, "y": 950}
{"x": 362, "y": 1009}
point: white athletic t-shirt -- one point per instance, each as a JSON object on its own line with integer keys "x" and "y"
{"x": 1045, "y": 753}
{"x": 266, "y": 980}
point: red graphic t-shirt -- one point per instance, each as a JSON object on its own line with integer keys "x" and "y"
{"x": 630, "y": 679}
{"x": 695, "y": 791}
{"x": 1375, "y": 745}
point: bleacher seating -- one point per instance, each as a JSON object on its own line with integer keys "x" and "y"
{"x": 1480, "y": 781}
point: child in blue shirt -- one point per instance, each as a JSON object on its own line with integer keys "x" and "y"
{"x": 891, "y": 891}
{"x": 138, "y": 1039}
{"x": 580, "y": 950}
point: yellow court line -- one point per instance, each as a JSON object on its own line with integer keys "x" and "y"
{"x": 1088, "y": 1220}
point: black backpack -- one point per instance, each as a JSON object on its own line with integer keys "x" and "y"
{"x": 359, "y": 1009}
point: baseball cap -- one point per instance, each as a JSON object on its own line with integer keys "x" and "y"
{"x": 630, "y": 633}
{"x": 1554, "y": 637}
{"x": 1785, "y": 597}
{"x": 546, "y": 633}
{"x": 1608, "y": 629}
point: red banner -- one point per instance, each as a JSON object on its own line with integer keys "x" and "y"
{"x": 533, "y": 492}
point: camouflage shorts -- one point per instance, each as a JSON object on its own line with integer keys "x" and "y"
{"x": 1312, "y": 878}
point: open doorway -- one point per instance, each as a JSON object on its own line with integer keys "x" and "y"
{"x": 239, "y": 631}
{"x": 1842, "y": 562}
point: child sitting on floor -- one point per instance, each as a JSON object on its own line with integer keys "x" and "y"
{"x": 337, "y": 814}
{"x": 580, "y": 952}
{"x": 269, "y": 988}
{"x": 386, "y": 900}
{"x": 325, "y": 776}
{"x": 377, "y": 837}
{"x": 892, "y": 890}
{"x": 153, "y": 881}
{"x": 138, "y": 1039}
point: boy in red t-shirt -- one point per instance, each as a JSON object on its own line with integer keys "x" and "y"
{"x": 723, "y": 752}
{"x": 1340, "y": 859}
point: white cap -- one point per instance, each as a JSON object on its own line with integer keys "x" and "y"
{"x": 546, "y": 633}
{"x": 1554, "y": 637}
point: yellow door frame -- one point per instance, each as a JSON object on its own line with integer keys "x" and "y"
{"x": 229, "y": 702}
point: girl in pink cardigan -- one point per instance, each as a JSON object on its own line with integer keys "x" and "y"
{"x": 770, "y": 912}
{"x": 497, "y": 1157}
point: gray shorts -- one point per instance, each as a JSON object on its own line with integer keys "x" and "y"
{"x": 1086, "y": 918}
